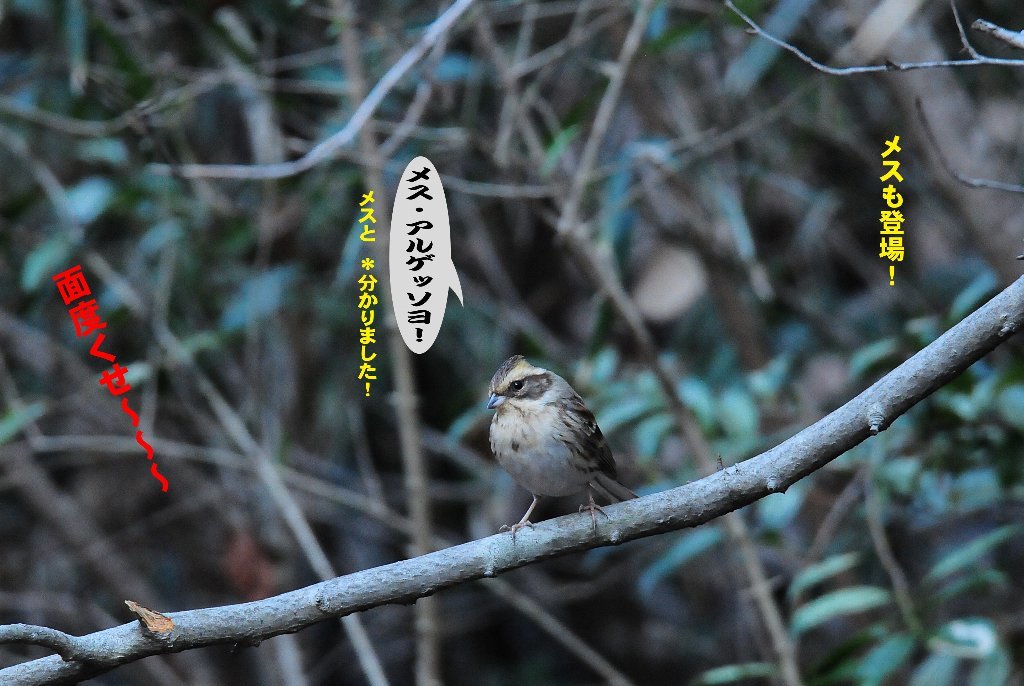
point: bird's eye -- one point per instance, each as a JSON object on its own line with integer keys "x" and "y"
{"x": 516, "y": 385}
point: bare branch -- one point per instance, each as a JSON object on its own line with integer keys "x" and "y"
{"x": 883, "y": 549}
{"x": 406, "y": 400}
{"x": 971, "y": 181}
{"x": 567, "y": 220}
{"x": 328, "y": 148}
{"x": 975, "y": 60}
{"x": 67, "y": 646}
{"x": 685, "y": 506}
{"x": 557, "y": 630}
{"x": 1012, "y": 38}
{"x": 962, "y": 31}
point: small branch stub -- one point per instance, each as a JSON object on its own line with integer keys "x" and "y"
{"x": 876, "y": 419}
{"x": 1009, "y": 326}
{"x": 152, "y": 622}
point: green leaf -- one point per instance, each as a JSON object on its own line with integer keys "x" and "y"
{"x": 961, "y": 405}
{"x": 870, "y": 355}
{"x": 37, "y": 9}
{"x": 924, "y": 330}
{"x": 994, "y": 670}
{"x": 738, "y": 413}
{"x": 816, "y": 573}
{"x": 44, "y": 261}
{"x": 466, "y": 422}
{"x": 676, "y": 38}
{"x": 617, "y": 217}
{"x": 111, "y": 151}
{"x": 200, "y": 341}
{"x": 976, "y": 489}
{"x": 650, "y": 432}
{"x": 733, "y": 673}
{"x": 690, "y": 545}
{"x": 884, "y": 659}
{"x": 1011, "y": 405}
{"x": 900, "y": 474}
{"x": 973, "y": 296}
{"x": 624, "y": 411}
{"x": 15, "y": 420}
{"x": 696, "y": 395}
{"x": 977, "y": 581}
{"x": 838, "y": 665}
{"x": 88, "y": 199}
{"x": 603, "y": 366}
{"x": 557, "y": 149}
{"x": 259, "y": 297}
{"x": 971, "y": 638}
{"x": 133, "y": 74}
{"x": 776, "y": 511}
{"x": 771, "y": 378}
{"x": 968, "y": 554}
{"x": 457, "y": 68}
{"x": 938, "y": 670}
{"x": 843, "y": 602}
{"x": 159, "y": 235}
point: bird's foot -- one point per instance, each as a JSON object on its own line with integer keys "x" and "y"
{"x": 593, "y": 508}
{"x": 516, "y": 527}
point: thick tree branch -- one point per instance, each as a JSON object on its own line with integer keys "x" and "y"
{"x": 686, "y": 506}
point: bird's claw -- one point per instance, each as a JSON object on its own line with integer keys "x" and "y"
{"x": 515, "y": 527}
{"x": 593, "y": 508}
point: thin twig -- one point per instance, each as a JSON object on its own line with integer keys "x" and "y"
{"x": 497, "y": 190}
{"x": 522, "y": 67}
{"x": 976, "y": 59}
{"x": 900, "y": 587}
{"x": 970, "y": 181}
{"x": 286, "y": 504}
{"x": 603, "y": 117}
{"x": 106, "y": 127}
{"x": 1012, "y": 38}
{"x": 67, "y": 646}
{"x": 61, "y": 123}
{"x": 556, "y": 629}
{"x": 405, "y": 397}
{"x": 414, "y": 112}
{"x": 695, "y": 503}
{"x": 964, "y": 40}
{"x": 841, "y": 506}
{"x": 327, "y": 149}
{"x": 46, "y": 179}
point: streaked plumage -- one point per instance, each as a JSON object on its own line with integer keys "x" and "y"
{"x": 546, "y": 438}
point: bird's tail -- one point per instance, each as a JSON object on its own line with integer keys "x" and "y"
{"x": 610, "y": 488}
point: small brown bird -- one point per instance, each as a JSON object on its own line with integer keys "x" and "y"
{"x": 547, "y": 439}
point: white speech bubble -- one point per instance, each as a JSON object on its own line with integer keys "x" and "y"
{"x": 420, "y": 257}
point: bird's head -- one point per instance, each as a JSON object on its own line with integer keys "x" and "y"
{"x": 519, "y": 383}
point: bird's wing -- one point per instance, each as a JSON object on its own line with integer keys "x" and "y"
{"x": 589, "y": 442}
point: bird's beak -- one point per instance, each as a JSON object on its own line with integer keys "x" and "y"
{"x": 494, "y": 401}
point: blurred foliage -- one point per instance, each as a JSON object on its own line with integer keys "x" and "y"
{"x": 736, "y": 196}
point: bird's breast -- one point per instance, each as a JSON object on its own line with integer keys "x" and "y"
{"x": 528, "y": 446}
